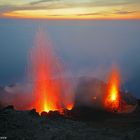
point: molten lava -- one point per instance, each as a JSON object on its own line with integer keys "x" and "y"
{"x": 70, "y": 106}
{"x": 51, "y": 91}
{"x": 112, "y": 98}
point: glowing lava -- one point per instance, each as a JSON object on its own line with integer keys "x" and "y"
{"x": 70, "y": 106}
{"x": 112, "y": 98}
{"x": 50, "y": 89}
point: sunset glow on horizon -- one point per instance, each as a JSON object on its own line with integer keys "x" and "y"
{"x": 70, "y": 9}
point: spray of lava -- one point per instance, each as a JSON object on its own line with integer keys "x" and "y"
{"x": 51, "y": 91}
{"x": 112, "y": 98}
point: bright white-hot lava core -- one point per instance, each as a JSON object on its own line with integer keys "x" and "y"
{"x": 112, "y": 98}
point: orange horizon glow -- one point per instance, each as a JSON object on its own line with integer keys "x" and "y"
{"x": 113, "y": 17}
{"x": 70, "y": 9}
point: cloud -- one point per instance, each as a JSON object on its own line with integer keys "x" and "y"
{"x": 90, "y": 14}
{"x": 11, "y": 8}
{"x": 42, "y": 1}
{"x": 122, "y": 12}
{"x": 88, "y": 7}
{"x": 5, "y": 8}
{"x": 19, "y": 95}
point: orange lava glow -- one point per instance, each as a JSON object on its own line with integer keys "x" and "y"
{"x": 112, "y": 98}
{"x": 50, "y": 93}
{"x": 70, "y": 106}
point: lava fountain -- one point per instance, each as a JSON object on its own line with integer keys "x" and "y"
{"x": 112, "y": 98}
{"x": 50, "y": 89}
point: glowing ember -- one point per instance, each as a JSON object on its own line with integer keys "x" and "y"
{"x": 69, "y": 107}
{"x": 51, "y": 91}
{"x": 94, "y": 97}
{"x": 112, "y": 99}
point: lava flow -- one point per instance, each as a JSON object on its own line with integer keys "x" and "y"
{"x": 51, "y": 91}
{"x": 112, "y": 98}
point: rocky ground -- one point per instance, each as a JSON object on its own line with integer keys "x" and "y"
{"x": 28, "y": 125}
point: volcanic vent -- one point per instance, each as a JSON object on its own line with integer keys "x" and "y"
{"x": 50, "y": 89}
{"x": 113, "y": 97}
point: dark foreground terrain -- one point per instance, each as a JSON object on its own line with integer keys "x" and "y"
{"x": 28, "y": 125}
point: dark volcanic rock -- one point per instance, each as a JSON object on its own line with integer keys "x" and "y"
{"x": 19, "y": 125}
{"x": 44, "y": 114}
{"x": 9, "y": 107}
{"x": 51, "y": 114}
{"x": 33, "y": 112}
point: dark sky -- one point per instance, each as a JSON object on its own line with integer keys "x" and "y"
{"x": 87, "y": 47}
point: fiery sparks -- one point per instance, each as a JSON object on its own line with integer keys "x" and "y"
{"x": 112, "y": 99}
{"x": 51, "y": 91}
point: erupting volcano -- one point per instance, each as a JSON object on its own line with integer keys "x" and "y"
{"x": 112, "y": 98}
{"x": 50, "y": 89}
